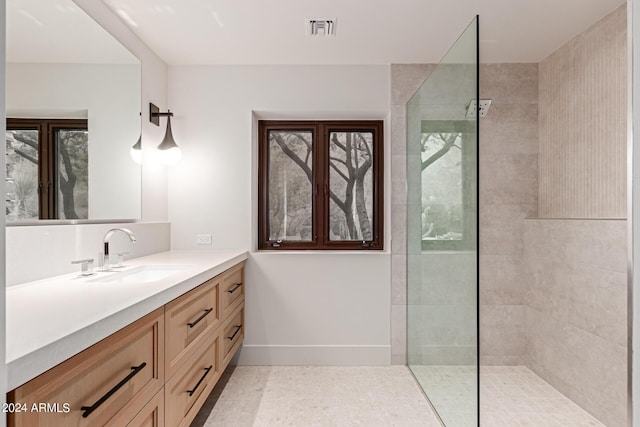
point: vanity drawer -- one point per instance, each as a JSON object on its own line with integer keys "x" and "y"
{"x": 119, "y": 374}
{"x": 231, "y": 335}
{"x": 152, "y": 415}
{"x": 231, "y": 289}
{"x": 188, "y": 319}
{"x": 187, "y": 390}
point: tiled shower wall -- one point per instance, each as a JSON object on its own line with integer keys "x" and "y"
{"x": 405, "y": 80}
{"x": 508, "y": 195}
{"x": 576, "y": 303}
{"x": 508, "y": 185}
{"x": 576, "y": 311}
{"x": 583, "y": 111}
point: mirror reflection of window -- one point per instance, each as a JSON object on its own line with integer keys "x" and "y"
{"x": 46, "y": 169}
{"x": 22, "y": 174}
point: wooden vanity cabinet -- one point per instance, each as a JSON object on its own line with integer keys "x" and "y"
{"x": 189, "y": 320}
{"x": 156, "y": 372}
{"x": 116, "y": 376}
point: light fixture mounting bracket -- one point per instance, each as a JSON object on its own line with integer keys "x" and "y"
{"x": 155, "y": 114}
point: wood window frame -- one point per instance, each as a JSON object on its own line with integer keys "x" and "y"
{"x": 320, "y": 186}
{"x": 47, "y": 157}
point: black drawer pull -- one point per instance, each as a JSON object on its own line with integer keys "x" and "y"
{"x": 230, "y": 291}
{"x": 89, "y": 409}
{"x": 206, "y": 372}
{"x": 238, "y": 327}
{"x": 195, "y": 322}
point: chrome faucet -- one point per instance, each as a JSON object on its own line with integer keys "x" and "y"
{"x": 104, "y": 263}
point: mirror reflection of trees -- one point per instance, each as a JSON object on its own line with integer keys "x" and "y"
{"x": 350, "y": 185}
{"x": 22, "y": 174}
{"x": 73, "y": 174}
{"x": 52, "y": 151}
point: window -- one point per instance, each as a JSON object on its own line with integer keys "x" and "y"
{"x": 448, "y": 193}
{"x": 320, "y": 185}
{"x": 46, "y": 169}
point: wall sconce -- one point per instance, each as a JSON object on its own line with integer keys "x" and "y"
{"x": 136, "y": 151}
{"x": 170, "y": 153}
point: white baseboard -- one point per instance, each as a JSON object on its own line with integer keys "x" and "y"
{"x": 321, "y": 355}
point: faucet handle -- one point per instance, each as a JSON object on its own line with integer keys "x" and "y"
{"x": 86, "y": 266}
{"x": 121, "y": 259}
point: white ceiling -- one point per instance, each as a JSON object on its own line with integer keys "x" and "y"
{"x": 58, "y": 31}
{"x": 185, "y": 32}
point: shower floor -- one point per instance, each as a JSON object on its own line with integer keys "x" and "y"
{"x": 510, "y": 396}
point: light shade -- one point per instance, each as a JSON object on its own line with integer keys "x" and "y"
{"x": 170, "y": 153}
{"x": 136, "y": 151}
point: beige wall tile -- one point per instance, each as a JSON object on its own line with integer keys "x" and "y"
{"x": 587, "y": 368}
{"x": 502, "y": 331}
{"x": 406, "y": 79}
{"x": 502, "y": 280}
{"x": 508, "y": 178}
{"x": 399, "y": 279}
{"x": 583, "y": 135}
{"x": 398, "y": 329}
{"x": 509, "y": 83}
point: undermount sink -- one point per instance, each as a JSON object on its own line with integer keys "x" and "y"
{"x": 141, "y": 274}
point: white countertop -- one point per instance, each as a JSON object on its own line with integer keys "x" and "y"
{"x": 50, "y": 320}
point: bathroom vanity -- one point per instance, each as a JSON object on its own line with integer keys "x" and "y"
{"x": 107, "y": 350}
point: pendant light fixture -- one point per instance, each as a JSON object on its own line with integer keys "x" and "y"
{"x": 170, "y": 153}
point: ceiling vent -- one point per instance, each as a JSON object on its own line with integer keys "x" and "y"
{"x": 320, "y": 27}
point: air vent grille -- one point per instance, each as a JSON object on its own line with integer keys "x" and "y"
{"x": 320, "y": 27}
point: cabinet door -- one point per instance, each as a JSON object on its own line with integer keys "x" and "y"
{"x": 187, "y": 390}
{"x": 118, "y": 374}
{"x": 188, "y": 320}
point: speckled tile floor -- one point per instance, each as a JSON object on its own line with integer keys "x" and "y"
{"x": 510, "y": 396}
{"x": 513, "y": 396}
{"x": 306, "y": 396}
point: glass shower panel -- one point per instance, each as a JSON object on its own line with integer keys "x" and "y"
{"x": 442, "y": 233}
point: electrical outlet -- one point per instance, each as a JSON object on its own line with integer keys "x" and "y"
{"x": 203, "y": 239}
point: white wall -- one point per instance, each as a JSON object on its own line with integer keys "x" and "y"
{"x": 307, "y": 307}
{"x": 108, "y": 95}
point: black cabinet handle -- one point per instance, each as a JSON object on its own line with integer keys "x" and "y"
{"x": 230, "y": 291}
{"x": 206, "y": 372}
{"x": 89, "y": 409}
{"x": 238, "y": 327}
{"x": 195, "y": 322}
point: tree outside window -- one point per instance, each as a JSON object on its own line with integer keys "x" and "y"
{"x": 320, "y": 185}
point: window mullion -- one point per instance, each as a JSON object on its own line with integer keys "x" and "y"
{"x": 320, "y": 198}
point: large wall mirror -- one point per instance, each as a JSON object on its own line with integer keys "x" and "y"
{"x": 73, "y": 114}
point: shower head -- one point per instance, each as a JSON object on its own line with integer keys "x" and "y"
{"x": 482, "y": 109}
